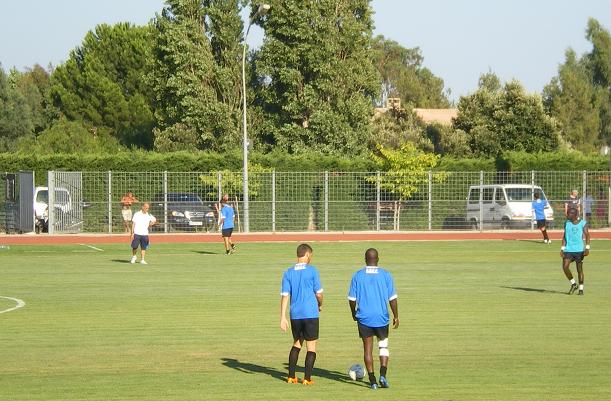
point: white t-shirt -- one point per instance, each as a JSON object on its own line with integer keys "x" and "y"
{"x": 141, "y": 222}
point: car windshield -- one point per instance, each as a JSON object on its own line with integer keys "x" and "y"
{"x": 523, "y": 194}
{"x": 42, "y": 197}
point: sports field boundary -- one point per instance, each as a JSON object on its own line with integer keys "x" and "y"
{"x": 79, "y": 239}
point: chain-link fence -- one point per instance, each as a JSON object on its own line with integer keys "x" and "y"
{"x": 331, "y": 201}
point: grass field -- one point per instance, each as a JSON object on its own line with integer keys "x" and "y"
{"x": 479, "y": 321}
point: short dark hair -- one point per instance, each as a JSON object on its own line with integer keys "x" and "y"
{"x": 371, "y": 256}
{"x": 536, "y": 195}
{"x": 303, "y": 249}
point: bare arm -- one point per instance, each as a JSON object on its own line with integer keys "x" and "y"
{"x": 284, "y": 302}
{"x": 394, "y": 306}
{"x": 319, "y": 297}
{"x": 563, "y": 243}
{"x": 586, "y": 231}
{"x": 353, "y": 309}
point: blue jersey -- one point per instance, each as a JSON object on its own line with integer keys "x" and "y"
{"x": 301, "y": 283}
{"x": 227, "y": 215}
{"x": 573, "y": 235}
{"x": 372, "y": 288}
{"x": 538, "y": 206}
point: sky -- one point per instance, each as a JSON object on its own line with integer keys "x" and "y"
{"x": 459, "y": 39}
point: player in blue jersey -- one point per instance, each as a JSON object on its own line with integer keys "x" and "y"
{"x": 539, "y": 205}
{"x": 573, "y": 248}
{"x": 301, "y": 287}
{"x": 371, "y": 290}
{"x": 226, "y": 222}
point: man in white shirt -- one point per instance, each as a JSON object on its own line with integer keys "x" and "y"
{"x": 141, "y": 221}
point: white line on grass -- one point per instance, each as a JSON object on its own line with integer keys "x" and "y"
{"x": 20, "y": 304}
{"x": 92, "y": 247}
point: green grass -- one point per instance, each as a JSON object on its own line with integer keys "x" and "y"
{"x": 479, "y": 321}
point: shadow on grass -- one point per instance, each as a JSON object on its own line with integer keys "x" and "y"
{"x": 539, "y": 290}
{"x": 121, "y": 261}
{"x": 206, "y": 252}
{"x": 250, "y": 368}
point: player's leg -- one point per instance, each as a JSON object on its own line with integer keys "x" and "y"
{"x": 384, "y": 354}
{"x": 311, "y": 337}
{"x": 144, "y": 244}
{"x": 580, "y": 276}
{"x": 226, "y": 242}
{"x": 566, "y": 262}
{"x": 296, "y": 328}
{"x": 134, "y": 245}
{"x": 368, "y": 359}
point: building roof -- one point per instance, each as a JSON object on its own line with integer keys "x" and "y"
{"x": 441, "y": 116}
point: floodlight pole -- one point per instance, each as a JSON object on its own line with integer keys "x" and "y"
{"x": 262, "y": 10}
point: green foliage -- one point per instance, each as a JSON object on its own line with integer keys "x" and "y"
{"x": 315, "y": 76}
{"x": 404, "y": 76}
{"x": 233, "y": 181}
{"x": 552, "y": 161}
{"x": 448, "y": 141}
{"x": 16, "y": 121}
{"x": 102, "y": 83}
{"x": 398, "y": 126}
{"x": 454, "y": 163}
{"x": 33, "y": 85}
{"x": 505, "y": 119}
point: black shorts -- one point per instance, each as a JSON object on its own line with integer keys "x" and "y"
{"x": 226, "y": 232}
{"x": 541, "y": 223}
{"x": 305, "y": 329}
{"x": 366, "y": 331}
{"x": 573, "y": 256}
{"x": 140, "y": 240}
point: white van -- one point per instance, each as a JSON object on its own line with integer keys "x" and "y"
{"x": 504, "y": 206}
{"x": 63, "y": 201}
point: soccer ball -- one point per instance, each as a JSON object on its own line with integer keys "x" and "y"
{"x": 356, "y": 372}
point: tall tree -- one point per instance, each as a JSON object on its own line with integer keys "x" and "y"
{"x": 34, "y": 85}
{"x": 102, "y": 84}
{"x": 505, "y": 119}
{"x": 15, "y": 115}
{"x": 315, "y": 73}
{"x": 404, "y": 76}
{"x": 193, "y": 94}
{"x": 599, "y": 62}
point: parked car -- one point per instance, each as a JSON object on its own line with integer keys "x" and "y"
{"x": 504, "y": 205}
{"x": 185, "y": 212}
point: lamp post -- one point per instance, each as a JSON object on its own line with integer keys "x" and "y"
{"x": 262, "y": 10}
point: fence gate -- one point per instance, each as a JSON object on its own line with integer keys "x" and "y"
{"x": 65, "y": 202}
{"x": 26, "y": 201}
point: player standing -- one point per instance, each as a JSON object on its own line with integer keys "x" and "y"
{"x": 371, "y": 290}
{"x": 538, "y": 209}
{"x": 573, "y": 248}
{"x": 301, "y": 284}
{"x": 141, "y": 222}
{"x": 226, "y": 221}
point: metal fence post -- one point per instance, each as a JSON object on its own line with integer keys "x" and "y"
{"x": 165, "y": 201}
{"x": 378, "y": 201}
{"x": 481, "y": 201}
{"x": 532, "y": 195}
{"x": 326, "y": 201}
{"x": 51, "y": 204}
{"x": 584, "y": 186}
{"x": 430, "y": 200}
{"x": 219, "y": 185}
{"x": 109, "y": 202}
{"x": 273, "y": 200}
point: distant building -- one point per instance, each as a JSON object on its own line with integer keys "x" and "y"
{"x": 429, "y": 116}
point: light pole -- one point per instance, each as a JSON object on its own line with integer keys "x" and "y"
{"x": 262, "y": 10}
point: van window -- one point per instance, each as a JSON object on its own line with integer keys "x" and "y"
{"x": 42, "y": 196}
{"x": 62, "y": 197}
{"x": 499, "y": 196}
{"x": 520, "y": 194}
{"x": 487, "y": 195}
{"x": 474, "y": 195}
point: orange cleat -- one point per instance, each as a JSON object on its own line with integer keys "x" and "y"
{"x": 307, "y": 382}
{"x": 292, "y": 380}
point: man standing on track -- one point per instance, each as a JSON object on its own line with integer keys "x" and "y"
{"x": 371, "y": 290}
{"x": 126, "y": 209}
{"x": 573, "y": 248}
{"x": 301, "y": 287}
{"x": 141, "y": 222}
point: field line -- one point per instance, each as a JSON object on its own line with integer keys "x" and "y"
{"x": 92, "y": 247}
{"x": 20, "y": 304}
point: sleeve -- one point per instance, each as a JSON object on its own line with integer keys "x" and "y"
{"x": 392, "y": 294}
{"x": 286, "y": 285}
{"x": 317, "y": 285}
{"x": 353, "y": 289}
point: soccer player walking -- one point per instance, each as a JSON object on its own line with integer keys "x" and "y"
{"x": 371, "y": 290}
{"x": 301, "y": 287}
{"x": 573, "y": 248}
{"x": 539, "y": 206}
{"x": 227, "y": 223}
{"x": 141, "y": 222}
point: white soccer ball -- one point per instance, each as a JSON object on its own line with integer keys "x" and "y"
{"x": 356, "y": 372}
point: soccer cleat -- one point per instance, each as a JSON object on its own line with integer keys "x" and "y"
{"x": 572, "y": 289}
{"x": 143, "y": 262}
{"x": 384, "y": 382}
{"x": 545, "y": 241}
{"x": 292, "y": 380}
{"x": 233, "y": 247}
{"x": 306, "y": 382}
{"x": 133, "y": 260}
{"x": 549, "y": 241}
{"x": 580, "y": 292}
{"x": 374, "y": 386}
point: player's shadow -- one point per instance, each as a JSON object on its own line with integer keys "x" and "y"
{"x": 205, "y": 252}
{"x": 539, "y": 290}
{"x": 120, "y": 261}
{"x": 251, "y": 368}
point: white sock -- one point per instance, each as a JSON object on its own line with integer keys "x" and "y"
{"x": 580, "y": 287}
{"x": 572, "y": 281}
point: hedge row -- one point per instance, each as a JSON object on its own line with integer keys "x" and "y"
{"x": 203, "y": 161}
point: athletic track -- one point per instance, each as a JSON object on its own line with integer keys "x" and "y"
{"x": 45, "y": 239}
